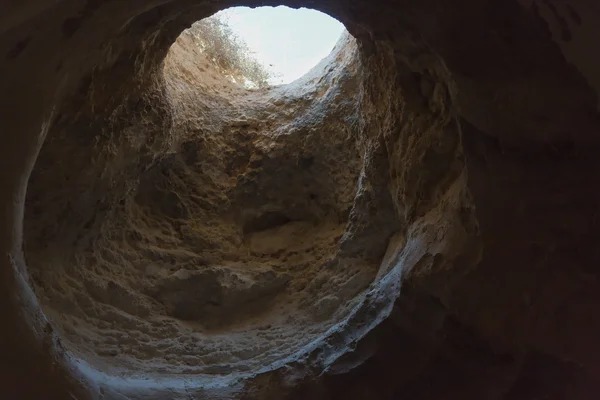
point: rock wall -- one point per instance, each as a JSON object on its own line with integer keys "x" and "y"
{"x": 414, "y": 218}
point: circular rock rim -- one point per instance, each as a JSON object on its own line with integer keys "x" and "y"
{"x": 408, "y": 92}
{"x": 320, "y": 355}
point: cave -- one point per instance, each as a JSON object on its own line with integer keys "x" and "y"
{"x": 415, "y": 217}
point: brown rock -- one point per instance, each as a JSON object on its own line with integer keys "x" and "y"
{"x": 414, "y": 218}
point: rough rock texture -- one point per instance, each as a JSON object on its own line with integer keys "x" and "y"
{"x": 236, "y": 246}
{"x": 414, "y": 219}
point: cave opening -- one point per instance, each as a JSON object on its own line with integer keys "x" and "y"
{"x": 205, "y": 227}
{"x": 264, "y": 46}
{"x": 165, "y": 238}
{"x": 178, "y": 224}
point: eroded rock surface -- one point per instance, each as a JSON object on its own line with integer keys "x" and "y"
{"x": 416, "y": 218}
{"x": 230, "y": 231}
{"x": 231, "y": 246}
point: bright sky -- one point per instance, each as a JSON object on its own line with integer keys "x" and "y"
{"x": 289, "y": 42}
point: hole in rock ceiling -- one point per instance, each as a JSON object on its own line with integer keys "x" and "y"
{"x": 265, "y": 46}
{"x": 205, "y": 228}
